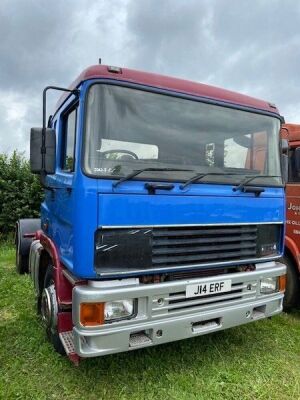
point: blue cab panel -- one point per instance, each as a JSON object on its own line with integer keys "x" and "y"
{"x": 73, "y": 231}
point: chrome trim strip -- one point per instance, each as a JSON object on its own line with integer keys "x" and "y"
{"x": 183, "y": 296}
{"x": 187, "y": 225}
{"x": 188, "y": 267}
{"x": 198, "y": 302}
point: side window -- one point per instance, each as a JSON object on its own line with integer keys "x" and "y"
{"x": 68, "y": 140}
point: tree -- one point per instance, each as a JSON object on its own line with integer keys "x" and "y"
{"x": 20, "y": 191}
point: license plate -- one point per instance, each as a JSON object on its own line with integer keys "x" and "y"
{"x": 205, "y": 289}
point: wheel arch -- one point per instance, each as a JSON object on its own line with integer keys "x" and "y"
{"x": 44, "y": 262}
{"x": 62, "y": 284}
{"x": 291, "y": 251}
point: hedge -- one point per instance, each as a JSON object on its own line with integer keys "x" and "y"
{"x": 20, "y": 192}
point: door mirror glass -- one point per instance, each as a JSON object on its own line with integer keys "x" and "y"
{"x": 285, "y": 160}
{"x": 284, "y": 145}
{"x": 285, "y": 167}
{"x": 297, "y": 160}
{"x": 36, "y": 151}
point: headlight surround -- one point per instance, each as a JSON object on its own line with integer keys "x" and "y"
{"x": 269, "y": 240}
{"x": 116, "y": 310}
{"x": 96, "y": 314}
{"x": 269, "y": 285}
{"x": 122, "y": 249}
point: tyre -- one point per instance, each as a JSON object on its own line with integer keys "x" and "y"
{"x": 49, "y": 309}
{"x": 21, "y": 260}
{"x": 292, "y": 291}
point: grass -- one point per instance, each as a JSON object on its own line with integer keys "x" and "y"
{"x": 256, "y": 361}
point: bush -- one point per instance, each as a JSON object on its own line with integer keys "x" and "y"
{"x": 20, "y": 192}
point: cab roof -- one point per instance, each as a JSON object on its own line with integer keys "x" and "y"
{"x": 169, "y": 83}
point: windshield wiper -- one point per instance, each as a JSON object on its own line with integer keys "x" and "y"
{"x": 198, "y": 177}
{"x": 248, "y": 179}
{"x": 139, "y": 171}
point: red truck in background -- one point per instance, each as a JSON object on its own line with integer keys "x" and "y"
{"x": 291, "y": 132}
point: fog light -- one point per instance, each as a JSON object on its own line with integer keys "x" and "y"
{"x": 119, "y": 309}
{"x": 269, "y": 285}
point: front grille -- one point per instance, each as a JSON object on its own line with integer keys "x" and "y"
{"x": 138, "y": 250}
{"x": 180, "y": 299}
{"x": 199, "y": 273}
{"x": 172, "y": 246}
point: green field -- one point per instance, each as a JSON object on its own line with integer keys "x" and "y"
{"x": 257, "y": 361}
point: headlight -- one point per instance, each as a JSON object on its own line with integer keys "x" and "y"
{"x": 119, "y": 309}
{"x": 269, "y": 285}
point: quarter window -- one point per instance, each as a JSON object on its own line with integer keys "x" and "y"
{"x": 69, "y": 135}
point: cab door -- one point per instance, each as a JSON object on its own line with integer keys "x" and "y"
{"x": 61, "y": 200}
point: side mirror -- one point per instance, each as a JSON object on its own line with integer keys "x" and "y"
{"x": 297, "y": 160}
{"x": 285, "y": 167}
{"x": 285, "y": 160}
{"x": 284, "y": 146}
{"x": 37, "y": 151}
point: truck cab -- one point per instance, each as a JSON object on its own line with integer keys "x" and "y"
{"x": 157, "y": 222}
{"x": 291, "y": 132}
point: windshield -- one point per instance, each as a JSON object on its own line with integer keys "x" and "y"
{"x": 129, "y": 129}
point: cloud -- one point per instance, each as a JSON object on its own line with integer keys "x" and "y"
{"x": 48, "y": 43}
{"x": 251, "y": 47}
{"x": 170, "y": 36}
{"x": 15, "y": 121}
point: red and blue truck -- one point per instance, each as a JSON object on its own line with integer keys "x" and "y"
{"x": 157, "y": 224}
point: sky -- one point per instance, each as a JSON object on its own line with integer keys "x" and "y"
{"x": 252, "y": 47}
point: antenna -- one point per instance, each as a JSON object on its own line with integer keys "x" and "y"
{"x": 100, "y": 61}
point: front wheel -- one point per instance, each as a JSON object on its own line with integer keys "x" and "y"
{"x": 49, "y": 310}
{"x": 292, "y": 291}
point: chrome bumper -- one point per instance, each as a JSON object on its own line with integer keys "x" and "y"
{"x": 165, "y": 314}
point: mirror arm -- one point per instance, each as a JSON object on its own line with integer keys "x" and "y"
{"x": 43, "y": 182}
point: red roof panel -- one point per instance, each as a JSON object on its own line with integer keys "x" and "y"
{"x": 169, "y": 83}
